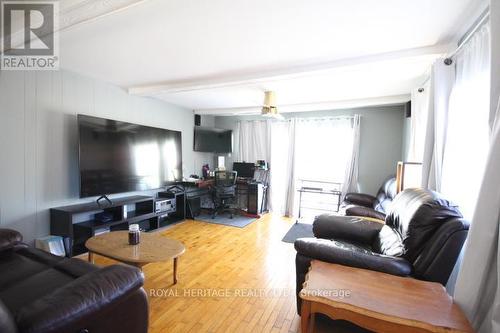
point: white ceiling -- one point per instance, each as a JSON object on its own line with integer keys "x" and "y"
{"x": 224, "y": 53}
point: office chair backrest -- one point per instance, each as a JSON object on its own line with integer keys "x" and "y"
{"x": 225, "y": 178}
{"x": 225, "y": 184}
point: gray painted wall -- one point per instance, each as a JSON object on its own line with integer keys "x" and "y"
{"x": 39, "y": 144}
{"x": 381, "y": 144}
{"x": 406, "y": 138}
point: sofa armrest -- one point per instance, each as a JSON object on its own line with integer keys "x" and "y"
{"x": 7, "y": 324}
{"x": 80, "y": 301}
{"x": 351, "y": 255}
{"x": 362, "y": 199}
{"x": 350, "y": 228}
{"x": 364, "y": 211}
{"x": 9, "y": 238}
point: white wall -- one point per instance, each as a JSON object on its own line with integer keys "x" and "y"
{"x": 381, "y": 140}
{"x": 39, "y": 143}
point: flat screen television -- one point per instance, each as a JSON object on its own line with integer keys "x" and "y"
{"x": 213, "y": 140}
{"x": 117, "y": 157}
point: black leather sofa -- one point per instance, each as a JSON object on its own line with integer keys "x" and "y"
{"x": 422, "y": 237}
{"x": 43, "y": 293}
{"x": 362, "y": 204}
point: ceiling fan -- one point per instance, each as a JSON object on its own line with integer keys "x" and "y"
{"x": 269, "y": 108}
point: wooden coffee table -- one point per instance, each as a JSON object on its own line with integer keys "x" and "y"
{"x": 378, "y": 302}
{"x": 152, "y": 248}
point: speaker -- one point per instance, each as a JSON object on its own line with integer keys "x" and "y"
{"x": 197, "y": 120}
{"x": 408, "y": 109}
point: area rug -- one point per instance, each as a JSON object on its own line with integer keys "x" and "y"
{"x": 298, "y": 230}
{"x": 238, "y": 221}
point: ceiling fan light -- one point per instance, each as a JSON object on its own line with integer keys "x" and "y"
{"x": 269, "y": 108}
{"x": 270, "y": 98}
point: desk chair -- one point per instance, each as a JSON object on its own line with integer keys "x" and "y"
{"x": 224, "y": 192}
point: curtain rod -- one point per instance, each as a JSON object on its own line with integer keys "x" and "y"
{"x": 318, "y": 118}
{"x": 314, "y": 118}
{"x": 485, "y": 15}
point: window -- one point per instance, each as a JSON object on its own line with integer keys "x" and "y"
{"x": 311, "y": 149}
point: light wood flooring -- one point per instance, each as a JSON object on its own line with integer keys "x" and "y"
{"x": 230, "y": 280}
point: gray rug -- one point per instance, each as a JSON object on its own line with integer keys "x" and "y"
{"x": 237, "y": 220}
{"x": 298, "y": 230}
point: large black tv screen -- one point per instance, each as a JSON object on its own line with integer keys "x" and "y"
{"x": 212, "y": 140}
{"x": 117, "y": 157}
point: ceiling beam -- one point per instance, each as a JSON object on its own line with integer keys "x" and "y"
{"x": 322, "y": 106}
{"x": 79, "y": 12}
{"x": 279, "y": 74}
{"x": 73, "y": 13}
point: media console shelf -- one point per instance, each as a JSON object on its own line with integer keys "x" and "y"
{"x": 77, "y": 223}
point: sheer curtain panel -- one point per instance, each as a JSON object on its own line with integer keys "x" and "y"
{"x": 350, "y": 183}
{"x": 441, "y": 84}
{"x": 254, "y": 140}
{"x": 467, "y": 135}
{"x": 477, "y": 289}
{"x": 282, "y": 163}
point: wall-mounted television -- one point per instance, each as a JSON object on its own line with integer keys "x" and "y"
{"x": 117, "y": 157}
{"x": 212, "y": 140}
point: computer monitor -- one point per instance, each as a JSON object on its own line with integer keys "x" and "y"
{"x": 245, "y": 170}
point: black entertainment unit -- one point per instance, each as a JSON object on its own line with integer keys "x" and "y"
{"x": 120, "y": 157}
{"x": 77, "y": 223}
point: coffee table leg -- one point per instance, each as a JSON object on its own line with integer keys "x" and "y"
{"x": 91, "y": 257}
{"x": 175, "y": 270}
{"x": 305, "y": 316}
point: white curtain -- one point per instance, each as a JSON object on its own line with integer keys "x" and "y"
{"x": 282, "y": 163}
{"x": 254, "y": 141}
{"x": 466, "y": 137}
{"x": 291, "y": 173}
{"x": 441, "y": 83}
{"x": 467, "y": 134}
{"x": 477, "y": 290}
{"x": 420, "y": 99}
{"x": 350, "y": 183}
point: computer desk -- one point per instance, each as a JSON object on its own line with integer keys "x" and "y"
{"x": 202, "y": 189}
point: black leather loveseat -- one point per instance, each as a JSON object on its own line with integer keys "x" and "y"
{"x": 42, "y": 293}
{"x": 422, "y": 237}
{"x": 362, "y": 204}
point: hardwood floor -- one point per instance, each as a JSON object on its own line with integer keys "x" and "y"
{"x": 230, "y": 280}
